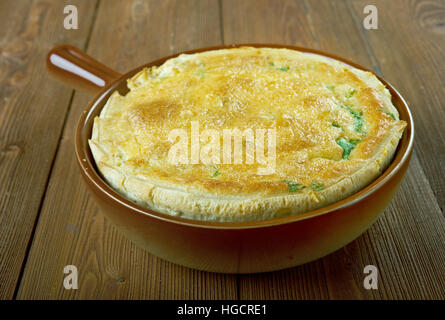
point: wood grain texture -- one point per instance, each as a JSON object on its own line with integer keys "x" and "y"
{"x": 32, "y": 113}
{"x": 407, "y": 243}
{"x": 411, "y": 264}
{"x": 70, "y": 228}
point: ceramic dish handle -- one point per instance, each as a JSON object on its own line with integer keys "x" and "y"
{"x": 76, "y": 68}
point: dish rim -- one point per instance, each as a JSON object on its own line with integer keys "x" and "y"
{"x": 90, "y": 172}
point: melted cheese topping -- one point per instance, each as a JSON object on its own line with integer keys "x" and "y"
{"x": 331, "y": 121}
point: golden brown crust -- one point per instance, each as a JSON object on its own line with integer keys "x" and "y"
{"x": 316, "y": 105}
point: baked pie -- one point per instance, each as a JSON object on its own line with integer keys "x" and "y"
{"x": 245, "y": 134}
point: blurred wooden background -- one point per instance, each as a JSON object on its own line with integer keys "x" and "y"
{"x": 48, "y": 220}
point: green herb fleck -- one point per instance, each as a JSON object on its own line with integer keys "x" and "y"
{"x": 358, "y": 118}
{"x": 317, "y": 185}
{"x": 334, "y": 124}
{"x": 347, "y": 108}
{"x": 283, "y": 68}
{"x": 330, "y": 87}
{"x": 216, "y": 172}
{"x": 350, "y": 93}
{"x": 293, "y": 186}
{"x": 347, "y": 146}
{"x": 388, "y": 113}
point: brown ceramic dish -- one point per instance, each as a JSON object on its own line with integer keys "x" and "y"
{"x": 231, "y": 247}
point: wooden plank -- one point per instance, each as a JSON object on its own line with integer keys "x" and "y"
{"x": 70, "y": 229}
{"x": 32, "y": 113}
{"x": 408, "y": 254}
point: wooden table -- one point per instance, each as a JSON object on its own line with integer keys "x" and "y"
{"x": 48, "y": 220}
